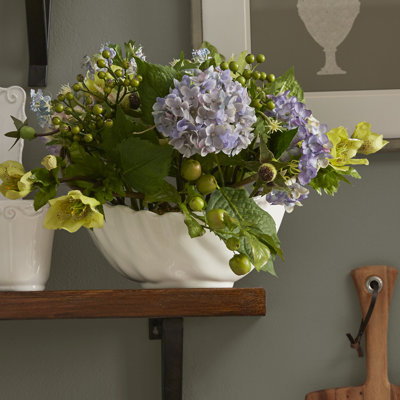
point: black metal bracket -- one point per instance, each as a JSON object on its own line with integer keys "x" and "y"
{"x": 170, "y": 332}
{"x": 38, "y": 21}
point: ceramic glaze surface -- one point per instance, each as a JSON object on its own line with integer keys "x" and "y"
{"x": 25, "y": 246}
{"x": 157, "y": 251}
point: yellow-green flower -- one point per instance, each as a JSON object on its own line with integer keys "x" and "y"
{"x": 371, "y": 142}
{"x": 344, "y": 149}
{"x": 72, "y": 211}
{"x": 49, "y": 162}
{"x": 16, "y": 183}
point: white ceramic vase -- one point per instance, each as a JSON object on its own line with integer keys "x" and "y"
{"x": 156, "y": 250}
{"x": 25, "y": 246}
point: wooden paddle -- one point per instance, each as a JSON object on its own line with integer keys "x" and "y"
{"x": 377, "y": 385}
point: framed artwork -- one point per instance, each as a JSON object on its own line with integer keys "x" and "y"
{"x": 342, "y": 51}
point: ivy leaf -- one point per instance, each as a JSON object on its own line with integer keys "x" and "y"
{"x": 280, "y": 141}
{"x": 157, "y": 80}
{"x": 145, "y": 164}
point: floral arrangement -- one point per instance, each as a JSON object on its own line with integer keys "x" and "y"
{"x": 201, "y": 136}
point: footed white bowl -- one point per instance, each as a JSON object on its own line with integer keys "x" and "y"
{"x": 25, "y": 246}
{"x": 157, "y": 251}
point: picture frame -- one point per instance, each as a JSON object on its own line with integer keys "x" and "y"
{"x": 349, "y": 106}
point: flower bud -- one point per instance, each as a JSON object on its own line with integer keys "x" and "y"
{"x": 49, "y": 162}
{"x": 267, "y": 172}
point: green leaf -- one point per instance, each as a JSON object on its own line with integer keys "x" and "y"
{"x": 269, "y": 267}
{"x": 157, "y": 80}
{"x": 43, "y": 195}
{"x": 42, "y": 176}
{"x": 13, "y": 134}
{"x": 280, "y": 141}
{"x": 18, "y": 124}
{"x": 328, "y": 179}
{"x": 260, "y": 252}
{"x": 215, "y": 54}
{"x": 242, "y": 62}
{"x": 145, "y": 164}
{"x": 287, "y": 81}
{"x": 165, "y": 193}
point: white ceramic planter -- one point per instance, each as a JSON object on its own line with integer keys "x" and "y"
{"x": 156, "y": 250}
{"x": 25, "y": 246}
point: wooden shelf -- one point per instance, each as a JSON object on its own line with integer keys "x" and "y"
{"x": 145, "y": 303}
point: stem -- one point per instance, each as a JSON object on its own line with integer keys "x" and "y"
{"x": 48, "y": 133}
{"x": 146, "y": 130}
{"x": 219, "y": 170}
{"x": 236, "y": 211}
{"x": 246, "y": 181}
{"x": 264, "y": 116}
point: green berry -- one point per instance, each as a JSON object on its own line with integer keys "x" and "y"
{"x": 215, "y": 218}
{"x": 101, "y": 63}
{"x": 260, "y": 58}
{"x": 75, "y": 129}
{"x": 191, "y": 170}
{"x": 64, "y": 128}
{"x": 250, "y": 58}
{"x": 233, "y": 243}
{"x": 61, "y": 97}
{"x": 68, "y": 111}
{"x": 56, "y": 121}
{"x": 80, "y": 78}
{"x": 106, "y": 54}
{"x": 270, "y": 105}
{"x": 69, "y": 96}
{"x": 234, "y": 66}
{"x": 240, "y": 264}
{"x": 224, "y": 66}
{"x": 263, "y": 76}
{"x": 88, "y": 137}
{"x": 59, "y": 108}
{"x": 271, "y": 78}
{"x": 196, "y": 203}
{"x": 135, "y": 82}
{"x": 247, "y": 73}
{"x": 256, "y": 104}
{"x": 241, "y": 80}
{"x": 206, "y": 184}
{"x": 27, "y": 132}
{"x": 139, "y": 78}
{"x": 119, "y": 73}
{"x": 97, "y": 109}
{"x": 125, "y": 64}
{"x": 76, "y": 138}
{"x": 76, "y": 87}
{"x": 256, "y": 74}
{"x": 107, "y": 90}
{"x": 108, "y": 123}
{"x": 101, "y": 74}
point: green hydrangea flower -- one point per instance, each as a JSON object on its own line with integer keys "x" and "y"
{"x": 72, "y": 211}
{"x": 16, "y": 183}
{"x": 371, "y": 142}
{"x": 344, "y": 149}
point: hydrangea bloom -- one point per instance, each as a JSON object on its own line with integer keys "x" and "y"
{"x": 206, "y": 113}
{"x": 41, "y": 106}
{"x": 200, "y": 55}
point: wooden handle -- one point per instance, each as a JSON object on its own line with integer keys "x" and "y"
{"x": 377, "y": 383}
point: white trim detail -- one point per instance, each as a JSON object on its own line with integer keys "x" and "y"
{"x": 226, "y": 25}
{"x": 381, "y": 108}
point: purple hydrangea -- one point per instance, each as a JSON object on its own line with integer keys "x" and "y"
{"x": 206, "y": 113}
{"x": 311, "y": 143}
{"x": 41, "y": 106}
{"x": 200, "y": 55}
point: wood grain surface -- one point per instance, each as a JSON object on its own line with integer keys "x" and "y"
{"x": 151, "y": 303}
{"x": 377, "y": 385}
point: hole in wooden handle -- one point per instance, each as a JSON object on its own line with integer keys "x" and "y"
{"x": 374, "y": 282}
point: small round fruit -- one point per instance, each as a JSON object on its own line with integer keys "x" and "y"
{"x": 125, "y": 64}
{"x": 196, "y": 203}
{"x": 270, "y": 105}
{"x": 76, "y": 87}
{"x": 101, "y": 63}
{"x": 107, "y": 90}
{"x": 80, "y": 78}
{"x": 69, "y": 96}
{"x": 88, "y": 137}
{"x": 119, "y": 73}
{"x": 108, "y": 123}
{"x": 250, "y": 58}
{"x": 224, "y": 66}
{"x": 191, "y": 170}
{"x": 59, "y": 108}
{"x": 256, "y": 74}
{"x": 260, "y": 58}
{"x": 271, "y": 78}
{"x": 206, "y": 184}
{"x": 240, "y": 264}
{"x": 27, "y": 132}
{"x": 241, "y": 80}
{"x": 234, "y": 66}
{"x": 56, "y": 121}
{"x": 139, "y": 77}
{"x": 233, "y": 243}
{"x": 247, "y": 73}
{"x": 215, "y": 218}
{"x": 106, "y": 54}
{"x": 75, "y": 129}
{"x": 263, "y": 76}
{"x": 61, "y": 97}
{"x": 135, "y": 82}
{"x": 101, "y": 74}
{"x": 97, "y": 109}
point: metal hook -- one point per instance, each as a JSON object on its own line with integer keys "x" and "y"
{"x": 372, "y": 281}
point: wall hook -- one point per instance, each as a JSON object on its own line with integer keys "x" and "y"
{"x": 38, "y": 22}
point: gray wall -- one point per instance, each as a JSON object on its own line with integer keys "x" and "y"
{"x": 298, "y": 347}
